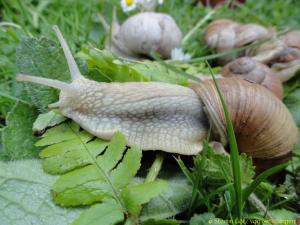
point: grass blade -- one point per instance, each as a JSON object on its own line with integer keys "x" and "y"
{"x": 234, "y": 153}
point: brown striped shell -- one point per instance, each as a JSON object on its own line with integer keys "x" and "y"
{"x": 263, "y": 126}
{"x": 251, "y": 70}
{"x": 224, "y": 35}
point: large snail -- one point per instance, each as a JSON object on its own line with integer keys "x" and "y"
{"x": 172, "y": 118}
{"x": 144, "y": 33}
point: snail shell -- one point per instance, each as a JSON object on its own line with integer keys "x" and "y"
{"x": 224, "y": 35}
{"x": 282, "y": 55}
{"x": 263, "y": 126}
{"x": 145, "y": 33}
{"x": 248, "y": 69}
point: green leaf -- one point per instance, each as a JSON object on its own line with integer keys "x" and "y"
{"x": 293, "y": 103}
{"x": 261, "y": 178}
{"x": 48, "y": 119}
{"x": 106, "y": 213}
{"x": 161, "y": 222}
{"x": 281, "y": 216}
{"x": 136, "y": 195}
{"x": 17, "y": 138}
{"x": 216, "y": 166}
{"x": 42, "y": 57}
{"x": 174, "y": 200}
{"x": 113, "y": 69}
{"x": 92, "y": 168}
{"x": 206, "y": 218}
{"x": 25, "y": 196}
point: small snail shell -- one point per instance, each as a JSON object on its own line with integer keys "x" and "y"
{"x": 144, "y": 33}
{"x": 220, "y": 34}
{"x": 172, "y": 118}
{"x": 224, "y": 35}
{"x": 263, "y": 126}
{"x": 248, "y": 69}
{"x": 282, "y": 55}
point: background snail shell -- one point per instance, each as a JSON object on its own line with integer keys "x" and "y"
{"x": 248, "y": 69}
{"x": 282, "y": 55}
{"x": 144, "y": 33}
{"x": 160, "y": 116}
{"x": 224, "y": 35}
{"x": 263, "y": 126}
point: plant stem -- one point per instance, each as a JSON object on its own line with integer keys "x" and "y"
{"x": 197, "y": 26}
{"x": 155, "y": 168}
{"x": 254, "y": 200}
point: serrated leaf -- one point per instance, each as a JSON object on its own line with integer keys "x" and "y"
{"x": 63, "y": 132}
{"x": 25, "y": 198}
{"x": 48, "y": 119}
{"x": 91, "y": 179}
{"x": 216, "y": 164}
{"x": 17, "y": 138}
{"x": 42, "y": 57}
{"x": 106, "y": 213}
{"x": 136, "y": 195}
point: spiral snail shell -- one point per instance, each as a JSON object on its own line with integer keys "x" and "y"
{"x": 145, "y": 33}
{"x": 251, "y": 70}
{"x": 281, "y": 54}
{"x": 224, "y": 35}
{"x": 172, "y": 118}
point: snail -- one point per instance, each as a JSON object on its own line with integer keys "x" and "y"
{"x": 173, "y": 118}
{"x": 281, "y": 54}
{"x": 144, "y": 33}
{"x": 224, "y": 35}
{"x": 251, "y": 70}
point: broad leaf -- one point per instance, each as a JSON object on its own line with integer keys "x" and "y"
{"x": 161, "y": 222}
{"x": 25, "y": 197}
{"x": 206, "y": 218}
{"x": 42, "y": 57}
{"x": 17, "y": 138}
{"x": 175, "y": 199}
{"x": 106, "y": 213}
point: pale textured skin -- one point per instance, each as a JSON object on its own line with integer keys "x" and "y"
{"x": 153, "y": 116}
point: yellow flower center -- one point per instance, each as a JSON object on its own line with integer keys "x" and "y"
{"x": 129, "y": 2}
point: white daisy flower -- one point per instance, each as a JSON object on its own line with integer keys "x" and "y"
{"x": 160, "y": 2}
{"x": 178, "y": 54}
{"x": 128, "y": 5}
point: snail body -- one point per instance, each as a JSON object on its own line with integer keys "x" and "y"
{"x": 144, "y": 33}
{"x": 172, "y": 118}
